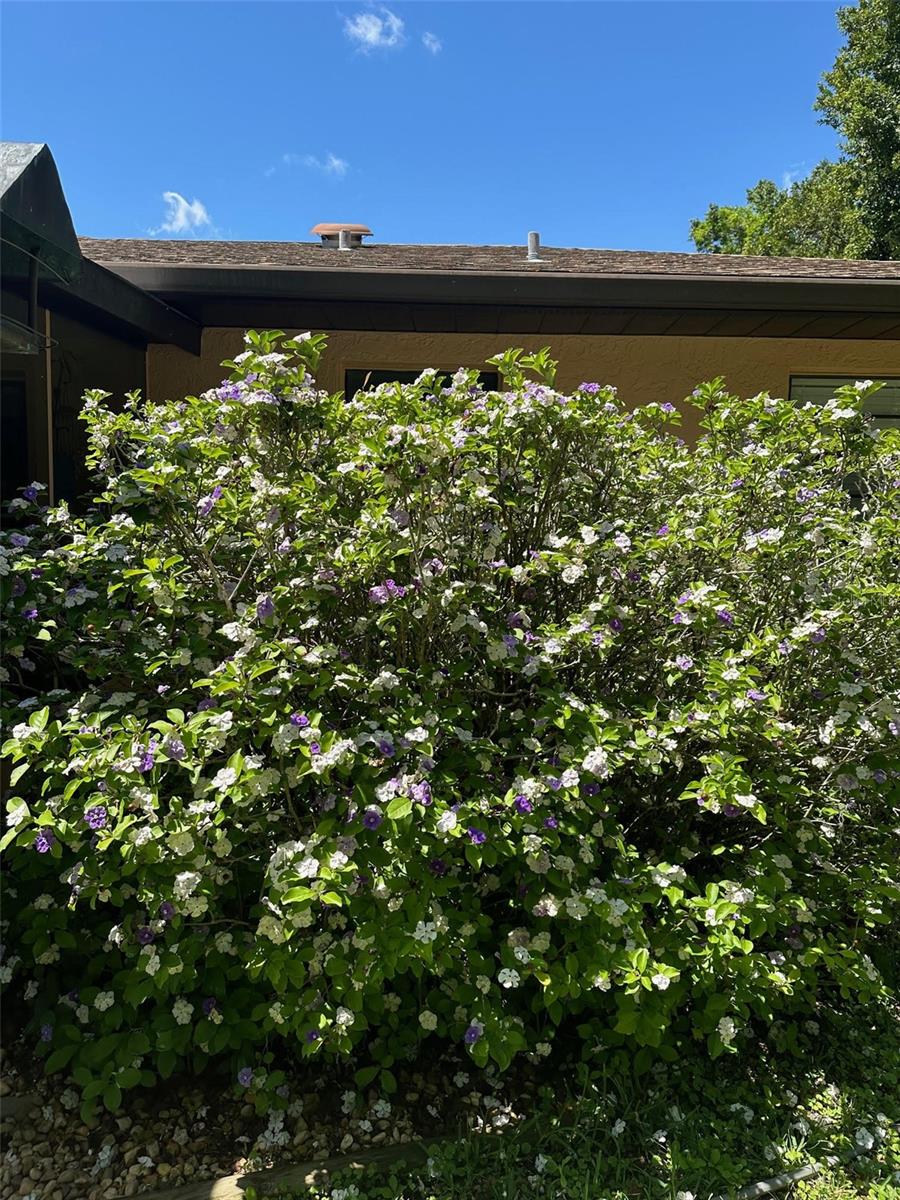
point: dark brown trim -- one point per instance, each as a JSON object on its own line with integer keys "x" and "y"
{"x": 188, "y": 284}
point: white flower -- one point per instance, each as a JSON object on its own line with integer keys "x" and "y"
{"x": 623, "y": 541}
{"x": 185, "y": 884}
{"x": 660, "y": 981}
{"x": 569, "y": 778}
{"x": 425, "y": 932}
{"x": 447, "y": 821}
{"x": 344, "y": 1017}
{"x": 618, "y": 1129}
{"x": 224, "y": 779}
{"x": 864, "y": 1139}
{"x": 573, "y": 572}
{"x": 597, "y": 762}
{"x": 508, "y": 978}
{"x": 418, "y": 734}
{"x": 308, "y": 867}
{"x": 726, "y": 1028}
{"x": 103, "y": 1001}
{"x": 181, "y": 844}
{"x": 182, "y": 1011}
{"x": 427, "y": 1019}
{"x": 276, "y": 1013}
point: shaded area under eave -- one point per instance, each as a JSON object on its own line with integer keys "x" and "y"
{"x": 38, "y": 235}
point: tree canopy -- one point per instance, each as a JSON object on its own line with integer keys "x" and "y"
{"x": 844, "y": 209}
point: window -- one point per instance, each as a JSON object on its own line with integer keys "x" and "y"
{"x": 355, "y": 381}
{"x": 884, "y": 406}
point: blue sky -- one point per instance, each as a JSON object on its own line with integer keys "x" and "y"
{"x": 598, "y": 124}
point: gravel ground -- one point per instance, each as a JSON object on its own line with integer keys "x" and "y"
{"x": 192, "y": 1130}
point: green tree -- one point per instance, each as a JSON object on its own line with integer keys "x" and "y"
{"x": 844, "y": 209}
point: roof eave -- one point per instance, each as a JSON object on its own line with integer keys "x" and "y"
{"x": 545, "y": 287}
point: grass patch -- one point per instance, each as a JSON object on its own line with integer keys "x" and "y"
{"x": 692, "y": 1128}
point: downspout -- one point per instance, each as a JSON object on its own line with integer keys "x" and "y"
{"x": 48, "y": 377}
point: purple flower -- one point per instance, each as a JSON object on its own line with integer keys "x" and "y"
{"x": 245, "y": 1076}
{"x": 173, "y": 748}
{"x": 205, "y": 506}
{"x": 30, "y": 493}
{"x": 591, "y": 789}
{"x": 784, "y": 647}
{"x": 735, "y": 484}
{"x": 684, "y": 662}
{"x": 29, "y": 612}
{"x": 523, "y": 804}
{"x": 44, "y": 841}
{"x": 96, "y": 817}
{"x": 551, "y": 823}
{"x": 554, "y": 784}
{"x": 386, "y": 748}
{"x": 206, "y": 703}
{"x": 315, "y": 748}
{"x": 615, "y": 625}
{"x": 145, "y": 935}
{"x": 19, "y": 539}
{"x": 755, "y": 694}
{"x": 472, "y": 1034}
{"x": 662, "y": 531}
{"x": 46, "y": 1033}
{"x": 372, "y": 818}
{"x": 167, "y": 910}
{"x": 668, "y": 407}
{"x": 590, "y": 389}
{"x": 684, "y": 598}
{"x": 312, "y": 1035}
{"x": 265, "y": 607}
{"x": 208, "y": 1005}
{"x": 818, "y": 635}
{"x": 726, "y": 617}
{"x": 438, "y": 867}
{"x": 147, "y": 758}
{"x": 679, "y": 619}
{"x": 301, "y": 720}
{"x": 378, "y": 595}
{"x": 18, "y": 587}
{"x": 477, "y": 836}
{"x": 421, "y": 792}
{"x": 515, "y": 620}
{"x": 731, "y": 810}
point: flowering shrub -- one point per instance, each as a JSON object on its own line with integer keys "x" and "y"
{"x": 447, "y": 716}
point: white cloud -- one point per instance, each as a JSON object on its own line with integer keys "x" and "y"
{"x": 382, "y": 30}
{"x": 330, "y": 165}
{"x": 183, "y": 216}
{"x": 432, "y": 42}
{"x": 793, "y": 175}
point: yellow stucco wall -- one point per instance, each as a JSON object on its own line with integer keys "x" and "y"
{"x": 642, "y": 368}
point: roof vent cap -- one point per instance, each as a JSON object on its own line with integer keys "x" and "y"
{"x": 341, "y": 235}
{"x": 534, "y": 246}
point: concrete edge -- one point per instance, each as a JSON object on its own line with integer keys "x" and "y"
{"x": 303, "y": 1174}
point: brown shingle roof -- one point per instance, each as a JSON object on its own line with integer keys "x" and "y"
{"x": 482, "y": 260}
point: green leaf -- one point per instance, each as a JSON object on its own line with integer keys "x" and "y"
{"x": 59, "y": 1058}
{"x": 112, "y": 1097}
{"x": 399, "y": 807}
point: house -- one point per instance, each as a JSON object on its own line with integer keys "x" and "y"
{"x": 654, "y": 324}
{"x": 66, "y": 324}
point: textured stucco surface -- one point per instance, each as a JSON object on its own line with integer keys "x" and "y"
{"x": 642, "y": 368}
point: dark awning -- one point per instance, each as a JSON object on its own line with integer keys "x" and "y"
{"x": 34, "y": 218}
